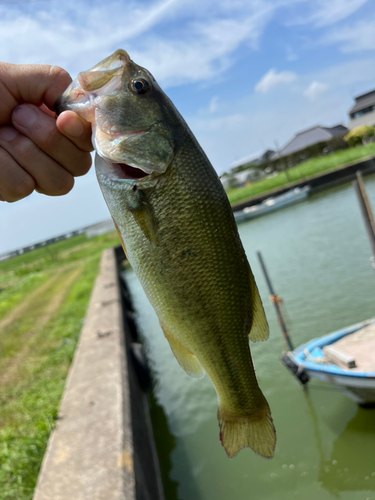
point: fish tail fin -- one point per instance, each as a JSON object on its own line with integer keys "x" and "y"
{"x": 255, "y": 431}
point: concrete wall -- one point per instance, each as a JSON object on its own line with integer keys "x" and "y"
{"x": 102, "y": 447}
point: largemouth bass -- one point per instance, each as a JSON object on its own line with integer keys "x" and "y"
{"x": 178, "y": 232}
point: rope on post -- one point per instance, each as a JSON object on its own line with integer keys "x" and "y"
{"x": 275, "y": 299}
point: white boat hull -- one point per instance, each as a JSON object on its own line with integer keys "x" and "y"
{"x": 362, "y": 391}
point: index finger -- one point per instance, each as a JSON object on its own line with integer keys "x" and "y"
{"x": 30, "y": 83}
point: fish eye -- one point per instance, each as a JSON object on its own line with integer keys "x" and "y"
{"x": 140, "y": 86}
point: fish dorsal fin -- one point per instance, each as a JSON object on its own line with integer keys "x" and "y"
{"x": 186, "y": 359}
{"x": 259, "y": 327}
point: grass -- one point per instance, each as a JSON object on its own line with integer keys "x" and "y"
{"x": 301, "y": 171}
{"x": 44, "y": 298}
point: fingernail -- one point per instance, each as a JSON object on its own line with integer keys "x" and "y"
{"x": 8, "y": 133}
{"x": 73, "y": 127}
{"x": 24, "y": 116}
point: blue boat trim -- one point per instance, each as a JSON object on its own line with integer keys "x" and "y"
{"x": 314, "y": 347}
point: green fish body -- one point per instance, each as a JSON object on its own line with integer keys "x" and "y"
{"x": 179, "y": 234}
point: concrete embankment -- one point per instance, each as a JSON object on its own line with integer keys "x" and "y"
{"x": 317, "y": 182}
{"x": 102, "y": 446}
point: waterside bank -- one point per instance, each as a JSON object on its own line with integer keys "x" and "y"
{"x": 102, "y": 446}
{"x": 318, "y": 182}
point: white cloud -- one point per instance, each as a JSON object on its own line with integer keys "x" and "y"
{"x": 354, "y": 38}
{"x": 315, "y": 90}
{"x": 205, "y": 52}
{"x": 85, "y": 34}
{"x": 273, "y": 79}
{"x": 213, "y": 105}
{"x": 203, "y": 46}
{"x": 328, "y": 12}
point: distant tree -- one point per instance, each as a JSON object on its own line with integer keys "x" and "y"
{"x": 360, "y": 135}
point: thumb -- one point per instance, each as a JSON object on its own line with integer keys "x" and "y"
{"x": 30, "y": 83}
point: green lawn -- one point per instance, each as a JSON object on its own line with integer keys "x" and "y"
{"x": 44, "y": 296}
{"x": 302, "y": 171}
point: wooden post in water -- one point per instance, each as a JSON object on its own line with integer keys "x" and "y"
{"x": 367, "y": 215}
{"x": 275, "y": 299}
{"x": 288, "y": 361}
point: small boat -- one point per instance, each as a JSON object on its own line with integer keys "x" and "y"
{"x": 345, "y": 359}
{"x": 271, "y": 204}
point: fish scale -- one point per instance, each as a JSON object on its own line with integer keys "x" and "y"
{"x": 179, "y": 233}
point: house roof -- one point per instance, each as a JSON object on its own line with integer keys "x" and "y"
{"x": 363, "y": 101}
{"x": 309, "y": 137}
{"x": 243, "y": 161}
{"x": 252, "y": 160}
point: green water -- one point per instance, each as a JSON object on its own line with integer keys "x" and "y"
{"x": 318, "y": 257}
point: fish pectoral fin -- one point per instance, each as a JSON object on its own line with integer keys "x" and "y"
{"x": 186, "y": 359}
{"x": 143, "y": 215}
{"x": 146, "y": 222}
{"x": 259, "y": 327}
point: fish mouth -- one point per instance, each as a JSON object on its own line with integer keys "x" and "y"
{"x": 106, "y": 145}
{"x": 118, "y": 171}
{"x": 127, "y": 172}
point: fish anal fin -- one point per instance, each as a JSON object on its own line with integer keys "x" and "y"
{"x": 185, "y": 358}
{"x": 259, "y": 327}
{"x": 256, "y": 432}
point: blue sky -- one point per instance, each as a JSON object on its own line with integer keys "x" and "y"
{"x": 245, "y": 74}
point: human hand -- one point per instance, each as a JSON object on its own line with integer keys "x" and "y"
{"x": 37, "y": 150}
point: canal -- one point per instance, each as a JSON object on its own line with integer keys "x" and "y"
{"x": 318, "y": 258}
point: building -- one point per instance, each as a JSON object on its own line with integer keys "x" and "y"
{"x": 309, "y": 137}
{"x": 244, "y": 170}
{"x": 245, "y": 163}
{"x": 263, "y": 158}
{"x": 363, "y": 111}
